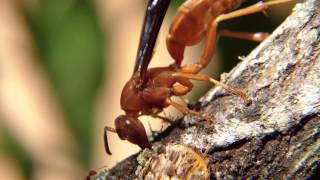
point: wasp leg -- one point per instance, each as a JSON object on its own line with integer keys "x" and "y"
{"x": 163, "y": 118}
{"x": 212, "y": 35}
{"x": 186, "y": 110}
{"x": 201, "y": 77}
{"x": 258, "y": 36}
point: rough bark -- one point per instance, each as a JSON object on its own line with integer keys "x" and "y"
{"x": 274, "y": 137}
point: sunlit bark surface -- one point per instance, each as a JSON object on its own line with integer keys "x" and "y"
{"x": 277, "y": 135}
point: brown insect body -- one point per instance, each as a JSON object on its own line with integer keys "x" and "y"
{"x": 189, "y": 29}
{"x": 134, "y": 94}
{"x": 148, "y": 91}
{"x": 149, "y": 99}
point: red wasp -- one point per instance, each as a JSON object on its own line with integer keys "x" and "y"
{"x": 148, "y": 91}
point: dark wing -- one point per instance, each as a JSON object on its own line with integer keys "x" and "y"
{"x": 154, "y": 15}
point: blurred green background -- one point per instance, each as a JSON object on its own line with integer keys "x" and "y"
{"x": 71, "y": 44}
{"x": 72, "y": 47}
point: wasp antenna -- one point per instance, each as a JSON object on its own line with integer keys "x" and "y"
{"x": 106, "y": 144}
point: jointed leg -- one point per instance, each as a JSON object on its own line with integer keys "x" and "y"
{"x": 258, "y": 37}
{"x": 184, "y": 100}
{"x": 210, "y": 44}
{"x": 200, "y": 77}
{"x": 163, "y": 118}
{"x": 186, "y": 110}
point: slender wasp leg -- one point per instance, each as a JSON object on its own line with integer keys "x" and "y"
{"x": 211, "y": 40}
{"x": 163, "y": 118}
{"x": 201, "y": 77}
{"x": 258, "y": 36}
{"x": 186, "y": 110}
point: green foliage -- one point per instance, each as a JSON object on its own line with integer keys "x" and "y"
{"x": 71, "y": 48}
{"x": 12, "y": 148}
{"x": 175, "y": 4}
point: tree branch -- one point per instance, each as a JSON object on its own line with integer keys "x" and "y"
{"x": 276, "y": 136}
